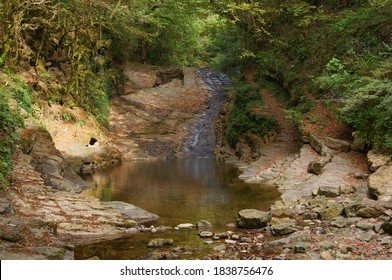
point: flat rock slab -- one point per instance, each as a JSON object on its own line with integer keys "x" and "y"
{"x": 131, "y": 211}
{"x": 253, "y": 218}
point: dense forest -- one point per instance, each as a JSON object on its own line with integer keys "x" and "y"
{"x": 70, "y": 52}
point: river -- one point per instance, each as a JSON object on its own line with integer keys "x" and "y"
{"x": 182, "y": 190}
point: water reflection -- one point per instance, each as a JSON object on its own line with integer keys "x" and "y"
{"x": 182, "y": 190}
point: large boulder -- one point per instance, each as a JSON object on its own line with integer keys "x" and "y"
{"x": 316, "y": 166}
{"x": 253, "y": 218}
{"x": 336, "y": 144}
{"x": 282, "y": 226}
{"x": 377, "y": 159}
{"x": 380, "y": 183}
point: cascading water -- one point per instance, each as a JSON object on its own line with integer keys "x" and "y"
{"x": 201, "y": 139}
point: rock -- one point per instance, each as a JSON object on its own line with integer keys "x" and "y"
{"x": 206, "y": 234}
{"x": 131, "y": 230}
{"x": 331, "y": 211}
{"x": 329, "y": 191}
{"x": 326, "y": 255}
{"x": 315, "y": 143}
{"x": 203, "y": 224}
{"x": 359, "y": 143}
{"x": 160, "y": 242}
{"x": 252, "y": 218}
{"x": 316, "y": 166}
{"x": 367, "y": 237}
{"x": 208, "y": 242}
{"x": 300, "y": 247}
{"x": 235, "y": 237}
{"x": 220, "y": 248}
{"x": 344, "y": 249}
{"x": 387, "y": 227}
{"x": 326, "y": 245}
{"x": 282, "y": 226}
{"x": 186, "y": 226}
{"x": 377, "y": 227}
{"x": 131, "y": 211}
{"x": 5, "y": 206}
{"x": 380, "y": 183}
{"x": 310, "y": 215}
{"x": 221, "y": 235}
{"x": 336, "y": 144}
{"x": 318, "y": 201}
{"x": 230, "y": 241}
{"x": 377, "y": 159}
{"x": 386, "y": 241}
{"x": 369, "y": 211}
{"x": 364, "y": 225}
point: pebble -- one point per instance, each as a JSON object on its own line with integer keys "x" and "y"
{"x": 229, "y": 241}
{"x": 206, "y": 234}
{"x": 220, "y": 248}
{"x": 185, "y": 226}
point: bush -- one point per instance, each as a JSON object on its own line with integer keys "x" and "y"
{"x": 245, "y": 122}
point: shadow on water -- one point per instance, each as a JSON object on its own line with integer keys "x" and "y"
{"x": 179, "y": 191}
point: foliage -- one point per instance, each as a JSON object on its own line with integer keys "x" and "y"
{"x": 10, "y": 120}
{"x": 245, "y": 122}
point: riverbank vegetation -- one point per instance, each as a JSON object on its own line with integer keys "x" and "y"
{"x": 69, "y": 52}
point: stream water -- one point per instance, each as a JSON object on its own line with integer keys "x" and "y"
{"x": 183, "y": 190}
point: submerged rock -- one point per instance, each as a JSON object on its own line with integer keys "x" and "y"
{"x": 160, "y": 242}
{"x": 203, "y": 224}
{"x": 253, "y": 218}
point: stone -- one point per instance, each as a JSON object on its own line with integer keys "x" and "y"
{"x": 331, "y": 211}
{"x": 329, "y": 191}
{"x": 208, "y": 242}
{"x": 336, "y": 144}
{"x": 206, "y": 234}
{"x": 369, "y": 212}
{"x": 340, "y": 222}
{"x": 387, "y": 227}
{"x": 203, "y": 224}
{"x": 230, "y": 241}
{"x": 386, "y": 241}
{"x": 282, "y": 226}
{"x": 367, "y": 237}
{"x": 380, "y": 183}
{"x": 326, "y": 245}
{"x": 253, "y": 218}
{"x": 326, "y": 255}
{"x": 377, "y": 227}
{"x": 220, "y": 248}
{"x": 160, "y": 242}
{"x": 221, "y": 235}
{"x": 310, "y": 215}
{"x": 235, "y": 237}
{"x": 344, "y": 249}
{"x": 300, "y": 247}
{"x": 185, "y": 226}
{"x": 316, "y": 166}
{"x": 5, "y": 206}
{"x": 315, "y": 143}
{"x": 376, "y": 159}
{"x": 131, "y": 230}
{"x": 364, "y": 225}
